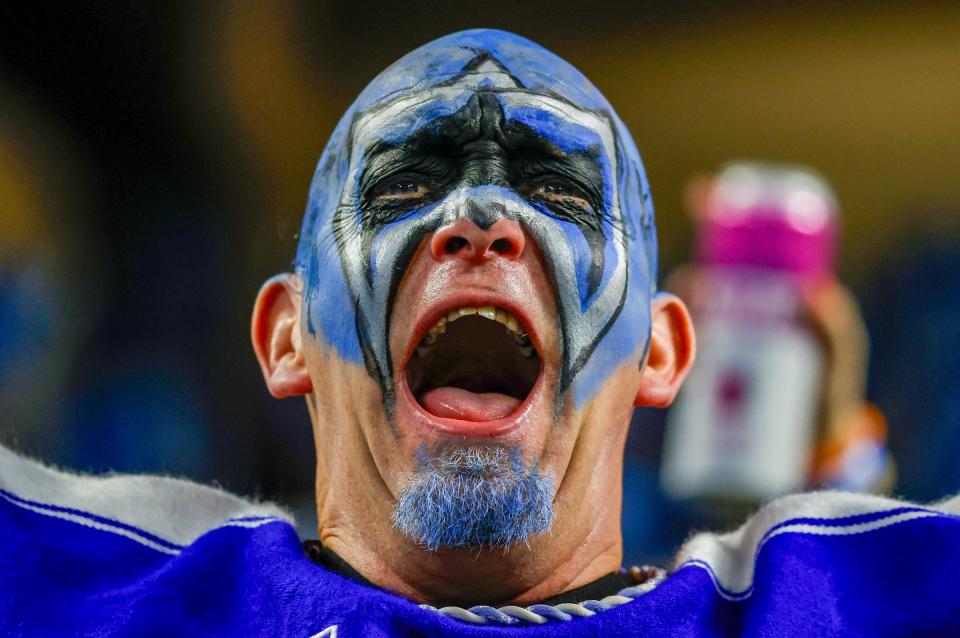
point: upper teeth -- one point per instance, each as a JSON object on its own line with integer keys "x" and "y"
{"x": 492, "y": 313}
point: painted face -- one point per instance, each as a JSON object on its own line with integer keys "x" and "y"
{"x": 477, "y": 128}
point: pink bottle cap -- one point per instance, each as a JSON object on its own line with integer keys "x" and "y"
{"x": 769, "y": 216}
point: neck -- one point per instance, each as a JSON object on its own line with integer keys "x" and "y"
{"x": 584, "y": 543}
{"x": 524, "y": 574}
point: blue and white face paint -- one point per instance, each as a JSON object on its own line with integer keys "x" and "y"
{"x": 506, "y": 90}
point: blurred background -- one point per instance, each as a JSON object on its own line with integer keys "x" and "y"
{"x": 155, "y": 159}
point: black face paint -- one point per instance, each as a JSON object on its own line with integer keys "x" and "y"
{"x": 474, "y": 147}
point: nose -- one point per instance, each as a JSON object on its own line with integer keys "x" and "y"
{"x": 463, "y": 239}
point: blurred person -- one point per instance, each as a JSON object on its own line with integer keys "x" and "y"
{"x": 471, "y": 318}
{"x": 776, "y": 403}
{"x": 740, "y": 433}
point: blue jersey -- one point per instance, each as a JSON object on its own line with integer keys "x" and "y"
{"x": 152, "y": 556}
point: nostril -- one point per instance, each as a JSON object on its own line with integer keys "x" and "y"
{"x": 454, "y": 245}
{"x": 464, "y": 239}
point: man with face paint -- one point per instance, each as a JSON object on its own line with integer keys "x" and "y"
{"x": 472, "y": 318}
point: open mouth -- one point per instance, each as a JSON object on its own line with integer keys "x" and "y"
{"x": 474, "y": 364}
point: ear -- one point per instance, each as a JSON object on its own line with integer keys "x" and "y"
{"x": 671, "y": 354}
{"x": 275, "y": 333}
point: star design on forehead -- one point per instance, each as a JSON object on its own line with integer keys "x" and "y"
{"x": 484, "y": 71}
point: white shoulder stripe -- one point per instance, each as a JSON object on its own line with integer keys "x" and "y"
{"x": 163, "y": 513}
{"x": 729, "y": 558}
{"x": 846, "y": 530}
{"x": 93, "y": 524}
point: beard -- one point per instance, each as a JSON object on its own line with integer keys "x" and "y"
{"x": 474, "y": 496}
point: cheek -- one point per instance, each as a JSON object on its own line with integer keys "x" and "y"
{"x": 412, "y": 292}
{"x": 595, "y": 259}
{"x": 579, "y": 249}
{"x": 329, "y": 314}
{"x": 351, "y": 428}
{"x": 622, "y": 347}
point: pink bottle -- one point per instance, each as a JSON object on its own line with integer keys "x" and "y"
{"x": 744, "y": 423}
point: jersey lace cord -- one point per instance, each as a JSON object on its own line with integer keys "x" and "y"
{"x": 646, "y": 577}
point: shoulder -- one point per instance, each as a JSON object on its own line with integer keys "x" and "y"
{"x": 822, "y": 515}
{"x": 835, "y": 561}
{"x": 80, "y": 552}
{"x": 138, "y": 507}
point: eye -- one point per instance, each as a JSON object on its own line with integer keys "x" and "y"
{"x": 401, "y": 188}
{"x": 561, "y": 191}
{"x": 556, "y": 188}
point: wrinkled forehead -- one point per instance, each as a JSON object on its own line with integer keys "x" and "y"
{"x": 565, "y": 125}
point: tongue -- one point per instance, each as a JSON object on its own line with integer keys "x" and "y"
{"x": 457, "y": 403}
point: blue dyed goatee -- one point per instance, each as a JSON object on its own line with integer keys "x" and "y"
{"x": 474, "y": 497}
